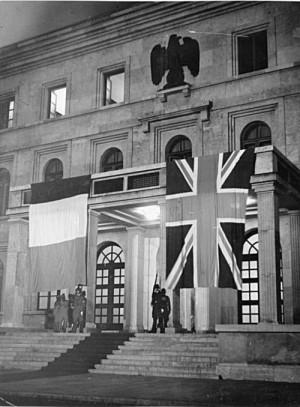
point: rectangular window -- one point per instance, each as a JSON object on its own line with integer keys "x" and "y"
{"x": 114, "y": 87}
{"x": 252, "y": 52}
{"x": 113, "y": 84}
{"x": 7, "y": 107}
{"x": 57, "y": 102}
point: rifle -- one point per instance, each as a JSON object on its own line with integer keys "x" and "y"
{"x": 155, "y": 282}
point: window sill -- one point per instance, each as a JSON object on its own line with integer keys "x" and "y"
{"x": 103, "y": 107}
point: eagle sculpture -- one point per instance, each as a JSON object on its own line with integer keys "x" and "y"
{"x": 173, "y": 59}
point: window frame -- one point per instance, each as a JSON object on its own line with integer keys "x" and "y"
{"x": 108, "y": 153}
{"x": 175, "y": 140}
{"x": 251, "y": 126}
{"x": 102, "y": 75}
{"x": 49, "y": 87}
{"x": 7, "y": 99}
{"x": 253, "y": 63}
{"x": 269, "y": 27}
{"x": 52, "y": 162}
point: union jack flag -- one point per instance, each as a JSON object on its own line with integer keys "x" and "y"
{"x": 206, "y": 206}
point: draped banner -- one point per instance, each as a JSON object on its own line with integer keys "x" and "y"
{"x": 58, "y": 233}
{"x": 206, "y": 207}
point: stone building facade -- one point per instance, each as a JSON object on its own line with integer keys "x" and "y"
{"x": 115, "y": 124}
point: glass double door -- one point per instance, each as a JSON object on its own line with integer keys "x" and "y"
{"x": 110, "y": 282}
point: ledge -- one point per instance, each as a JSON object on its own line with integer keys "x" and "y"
{"x": 258, "y": 328}
{"x": 164, "y": 93}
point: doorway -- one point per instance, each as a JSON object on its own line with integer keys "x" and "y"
{"x": 110, "y": 283}
{"x": 249, "y": 296}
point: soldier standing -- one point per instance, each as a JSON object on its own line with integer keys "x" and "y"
{"x": 57, "y": 314}
{"x": 165, "y": 309}
{"x": 64, "y": 312}
{"x": 79, "y": 311}
{"x": 155, "y": 307}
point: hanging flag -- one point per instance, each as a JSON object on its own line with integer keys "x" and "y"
{"x": 206, "y": 207}
{"x": 58, "y": 232}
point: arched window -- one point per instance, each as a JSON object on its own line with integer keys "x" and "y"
{"x": 178, "y": 148}
{"x": 249, "y": 296}
{"x": 112, "y": 160}
{"x": 54, "y": 170}
{"x": 256, "y": 134}
{"x": 4, "y": 190}
{"x": 110, "y": 287}
{"x": 1, "y": 282}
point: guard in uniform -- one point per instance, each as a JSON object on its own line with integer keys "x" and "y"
{"x": 79, "y": 311}
{"x": 155, "y": 307}
{"x": 164, "y": 311}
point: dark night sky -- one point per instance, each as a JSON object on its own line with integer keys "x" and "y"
{"x": 24, "y": 19}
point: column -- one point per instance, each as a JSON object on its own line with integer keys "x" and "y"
{"x": 161, "y": 264}
{"x": 295, "y": 263}
{"x": 91, "y": 267}
{"x": 187, "y": 308}
{"x": 134, "y": 280}
{"x": 17, "y": 273}
{"x": 269, "y": 251}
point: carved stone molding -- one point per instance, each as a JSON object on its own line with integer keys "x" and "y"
{"x": 239, "y": 113}
{"x": 203, "y": 111}
{"x": 6, "y": 158}
{"x": 42, "y": 155}
{"x": 164, "y": 93}
{"x": 102, "y": 140}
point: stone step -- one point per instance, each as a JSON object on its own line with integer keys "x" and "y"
{"x": 162, "y": 363}
{"x": 176, "y": 336}
{"x": 174, "y": 357}
{"x": 86, "y": 354}
{"x": 161, "y": 347}
{"x": 27, "y": 357}
{"x": 42, "y": 348}
{"x": 193, "y": 353}
{"x": 172, "y": 338}
{"x": 66, "y": 340}
{"x": 43, "y": 334}
{"x": 32, "y": 351}
{"x": 155, "y": 371}
{"x": 25, "y": 365}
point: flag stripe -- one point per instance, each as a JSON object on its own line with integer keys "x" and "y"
{"x": 178, "y": 267}
{"x": 230, "y": 257}
{"x": 64, "y": 264}
{"x": 58, "y": 221}
{"x": 189, "y": 175}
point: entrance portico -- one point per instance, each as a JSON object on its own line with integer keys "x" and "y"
{"x": 276, "y": 182}
{"x": 121, "y": 217}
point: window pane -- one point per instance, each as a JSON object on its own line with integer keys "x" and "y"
{"x": 245, "y": 273}
{"x": 57, "y": 106}
{"x": 252, "y": 52}
{"x": 43, "y": 302}
{"x": 254, "y": 309}
{"x": 254, "y": 296}
{"x": 253, "y": 286}
{"x": 246, "y": 319}
{"x": 6, "y": 113}
{"x": 246, "y": 309}
{"x": 114, "y": 92}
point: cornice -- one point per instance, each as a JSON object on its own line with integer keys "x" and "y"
{"x": 104, "y": 32}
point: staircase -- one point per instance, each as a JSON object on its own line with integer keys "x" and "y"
{"x": 175, "y": 355}
{"x": 31, "y": 350}
{"x": 85, "y": 354}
